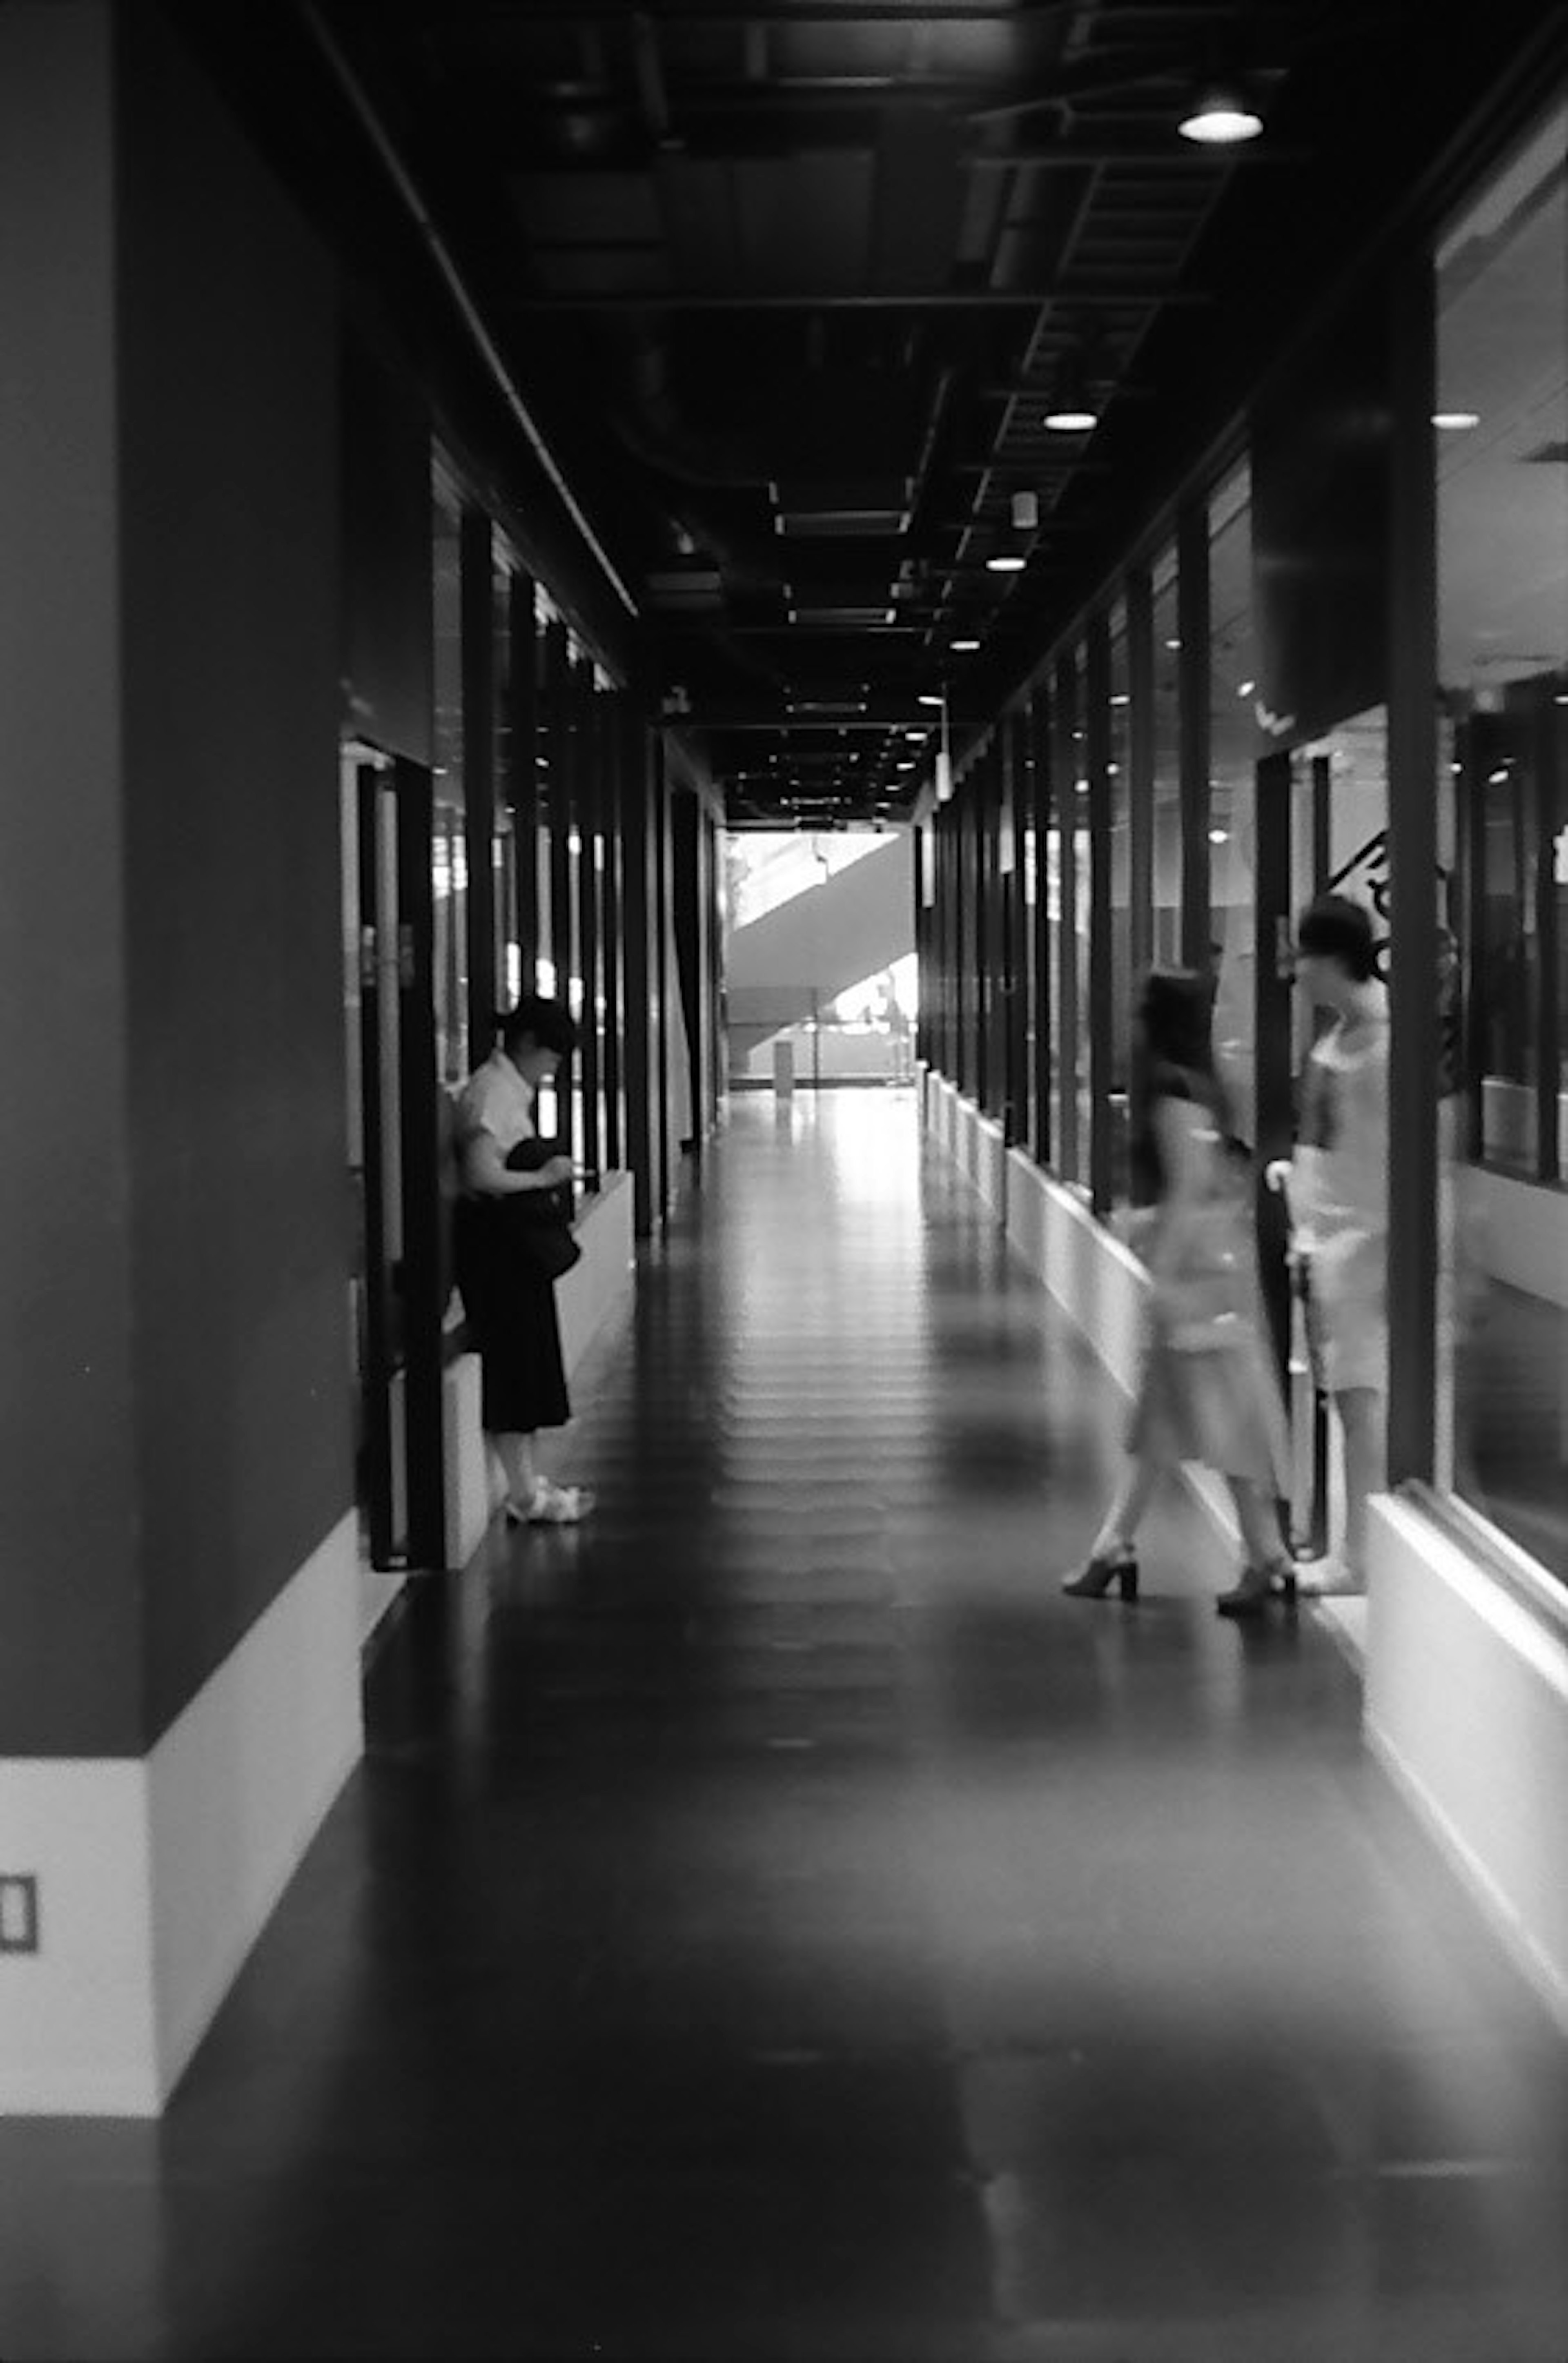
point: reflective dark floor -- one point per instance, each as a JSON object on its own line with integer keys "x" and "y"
{"x": 773, "y": 1924}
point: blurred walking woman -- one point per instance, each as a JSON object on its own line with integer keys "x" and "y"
{"x": 512, "y": 1238}
{"x": 1208, "y": 1390}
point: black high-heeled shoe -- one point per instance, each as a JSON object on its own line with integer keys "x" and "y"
{"x": 1094, "y": 1580}
{"x": 1257, "y": 1591}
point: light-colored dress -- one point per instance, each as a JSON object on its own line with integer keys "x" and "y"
{"x": 1219, "y": 1406}
{"x": 1340, "y": 1199}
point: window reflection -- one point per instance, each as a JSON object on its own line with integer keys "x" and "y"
{"x": 1503, "y": 637}
{"x": 1234, "y": 748}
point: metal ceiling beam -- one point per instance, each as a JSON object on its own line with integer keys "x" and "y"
{"x": 868, "y": 12}
{"x": 1106, "y": 292}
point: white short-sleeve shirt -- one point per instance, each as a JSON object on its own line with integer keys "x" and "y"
{"x": 495, "y": 1100}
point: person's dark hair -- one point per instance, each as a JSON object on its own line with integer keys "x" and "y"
{"x": 1336, "y": 928}
{"x": 548, "y": 1025}
{"x": 1175, "y": 1015}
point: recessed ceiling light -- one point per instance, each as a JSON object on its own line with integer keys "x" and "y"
{"x": 1221, "y": 116}
{"x": 1007, "y": 563}
{"x": 1456, "y": 422}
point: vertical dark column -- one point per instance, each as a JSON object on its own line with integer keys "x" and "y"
{"x": 1045, "y": 984}
{"x": 642, "y": 1145}
{"x": 1272, "y": 1030}
{"x": 477, "y": 612}
{"x": 718, "y": 1058}
{"x": 1473, "y": 837}
{"x": 1018, "y": 792}
{"x": 553, "y": 656}
{"x": 948, "y": 913}
{"x": 560, "y": 687}
{"x": 1193, "y": 630}
{"x": 1545, "y": 741}
{"x": 522, "y": 780}
{"x": 1102, "y": 1049}
{"x": 659, "y": 950}
{"x": 962, "y": 933}
{"x": 611, "y": 921}
{"x": 422, "y": 1291}
{"x": 982, "y": 827}
{"x": 922, "y": 949}
{"x": 586, "y": 820}
{"x": 686, "y": 892}
{"x": 1412, "y": 860}
{"x": 1141, "y": 757}
{"x": 1065, "y": 765}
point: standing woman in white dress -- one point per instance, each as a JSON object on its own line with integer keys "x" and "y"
{"x": 1336, "y": 1191}
{"x": 508, "y": 1296}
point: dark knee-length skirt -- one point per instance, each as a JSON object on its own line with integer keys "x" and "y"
{"x": 510, "y": 1305}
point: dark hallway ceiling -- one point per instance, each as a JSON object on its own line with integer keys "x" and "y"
{"x": 788, "y": 285}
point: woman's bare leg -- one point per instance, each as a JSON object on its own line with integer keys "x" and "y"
{"x": 520, "y": 1464}
{"x": 1129, "y": 1505}
{"x": 1362, "y": 1425}
{"x": 1259, "y": 1522}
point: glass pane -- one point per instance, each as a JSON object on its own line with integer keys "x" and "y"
{"x": 1503, "y": 636}
{"x": 1122, "y": 980}
{"x": 1233, "y": 753}
{"x": 1167, "y": 765}
{"x": 449, "y": 853}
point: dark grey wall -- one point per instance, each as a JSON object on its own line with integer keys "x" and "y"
{"x": 69, "y": 1645}
{"x": 228, "y": 340}
{"x": 388, "y": 623}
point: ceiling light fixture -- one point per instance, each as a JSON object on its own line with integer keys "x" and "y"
{"x": 1219, "y": 836}
{"x": 1006, "y": 561}
{"x": 965, "y": 648}
{"x": 928, "y": 698}
{"x": 1025, "y": 511}
{"x": 1456, "y": 422}
{"x": 1245, "y": 688}
{"x": 1071, "y": 411}
{"x": 1221, "y": 114}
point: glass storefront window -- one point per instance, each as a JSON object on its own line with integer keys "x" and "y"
{"x": 1502, "y": 496}
{"x": 448, "y": 850}
{"x": 1233, "y": 752}
{"x": 1123, "y": 982}
{"x": 1167, "y": 764}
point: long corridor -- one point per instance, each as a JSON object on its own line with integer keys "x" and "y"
{"x": 772, "y": 1924}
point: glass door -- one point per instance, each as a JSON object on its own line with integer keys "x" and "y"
{"x": 397, "y": 1294}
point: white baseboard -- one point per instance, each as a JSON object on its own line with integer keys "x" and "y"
{"x": 156, "y": 1876}
{"x": 1467, "y": 1707}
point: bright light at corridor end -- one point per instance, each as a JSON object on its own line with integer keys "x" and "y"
{"x": 1221, "y": 116}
